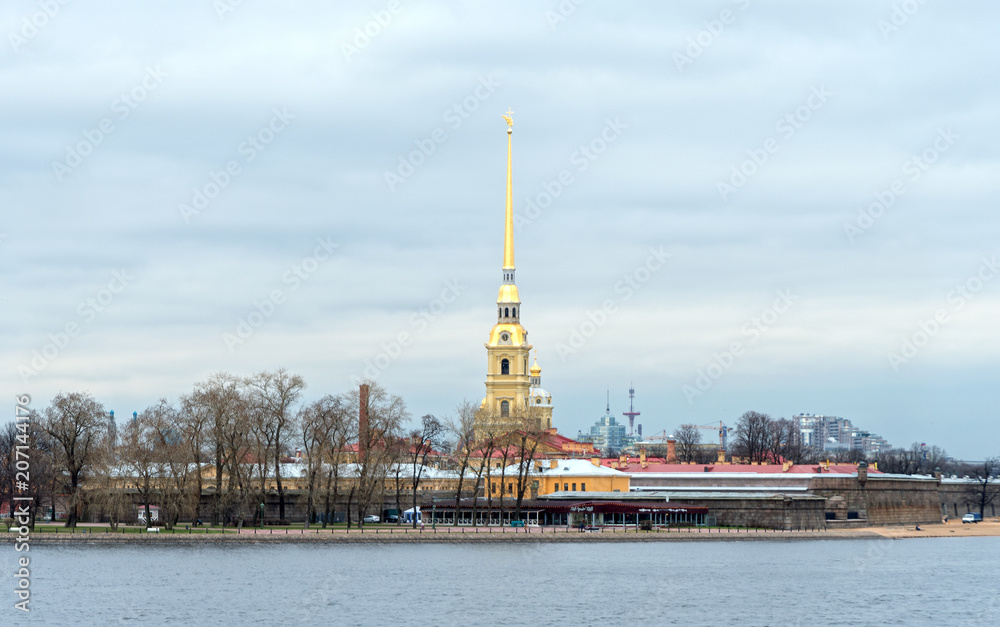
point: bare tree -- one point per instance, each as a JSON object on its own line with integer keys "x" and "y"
{"x": 193, "y": 424}
{"x": 422, "y": 442}
{"x": 109, "y": 485}
{"x": 909, "y": 461}
{"x": 8, "y": 466}
{"x": 344, "y": 430}
{"x": 986, "y": 488}
{"x": 260, "y": 435}
{"x": 785, "y": 441}
{"x": 218, "y": 402}
{"x": 463, "y": 428}
{"x": 687, "y": 439}
{"x": 274, "y": 394}
{"x": 177, "y": 465}
{"x": 486, "y": 446}
{"x": 399, "y": 454}
{"x": 317, "y": 422}
{"x": 73, "y": 421}
{"x": 753, "y": 436}
{"x": 138, "y": 457}
{"x": 527, "y": 441}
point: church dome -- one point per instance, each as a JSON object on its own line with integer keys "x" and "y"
{"x": 539, "y": 394}
{"x": 536, "y": 369}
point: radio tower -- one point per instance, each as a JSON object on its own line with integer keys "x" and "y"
{"x": 631, "y": 413}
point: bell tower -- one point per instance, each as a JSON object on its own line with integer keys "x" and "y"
{"x": 508, "y": 380}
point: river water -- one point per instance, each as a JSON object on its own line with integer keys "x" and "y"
{"x": 946, "y": 581}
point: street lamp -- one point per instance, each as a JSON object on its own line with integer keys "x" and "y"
{"x": 262, "y": 516}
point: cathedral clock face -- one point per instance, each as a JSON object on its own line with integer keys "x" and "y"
{"x": 505, "y": 337}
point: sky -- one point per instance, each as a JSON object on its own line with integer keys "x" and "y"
{"x": 784, "y": 206}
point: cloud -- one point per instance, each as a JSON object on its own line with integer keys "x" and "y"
{"x": 655, "y": 185}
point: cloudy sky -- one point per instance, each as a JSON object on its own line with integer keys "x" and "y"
{"x": 783, "y": 206}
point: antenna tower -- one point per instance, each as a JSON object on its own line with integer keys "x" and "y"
{"x": 631, "y": 413}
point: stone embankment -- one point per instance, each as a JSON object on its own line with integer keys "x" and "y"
{"x": 443, "y": 537}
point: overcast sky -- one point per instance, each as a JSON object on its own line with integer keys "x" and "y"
{"x": 782, "y": 206}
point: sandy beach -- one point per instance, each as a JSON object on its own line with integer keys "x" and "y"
{"x": 950, "y": 529}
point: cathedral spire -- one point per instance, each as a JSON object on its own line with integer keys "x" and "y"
{"x": 508, "y": 232}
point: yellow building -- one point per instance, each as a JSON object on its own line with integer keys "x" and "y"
{"x": 514, "y": 396}
{"x": 579, "y": 475}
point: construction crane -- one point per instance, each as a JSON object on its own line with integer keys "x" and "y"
{"x": 661, "y": 437}
{"x": 723, "y": 432}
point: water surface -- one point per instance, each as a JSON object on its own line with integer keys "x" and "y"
{"x": 940, "y": 581}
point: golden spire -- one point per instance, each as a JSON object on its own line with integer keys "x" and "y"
{"x": 508, "y": 233}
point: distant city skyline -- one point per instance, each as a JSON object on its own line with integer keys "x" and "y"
{"x": 781, "y": 207}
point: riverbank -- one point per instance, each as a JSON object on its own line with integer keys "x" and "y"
{"x": 447, "y": 536}
{"x": 950, "y": 529}
{"x": 383, "y": 535}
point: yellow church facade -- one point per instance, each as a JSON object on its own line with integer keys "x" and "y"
{"x": 515, "y": 399}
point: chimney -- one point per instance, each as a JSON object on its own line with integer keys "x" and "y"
{"x": 595, "y": 461}
{"x": 721, "y": 458}
{"x": 671, "y": 451}
{"x": 362, "y": 420}
{"x": 622, "y": 461}
{"x": 553, "y": 463}
{"x": 862, "y": 473}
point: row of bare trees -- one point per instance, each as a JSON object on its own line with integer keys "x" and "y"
{"x": 759, "y": 438}
{"x": 222, "y": 449}
{"x": 227, "y": 438}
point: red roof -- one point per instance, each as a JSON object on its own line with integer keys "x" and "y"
{"x": 658, "y": 465}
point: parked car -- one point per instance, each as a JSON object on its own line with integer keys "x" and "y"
{"x": 393, "y": 518}
{"x": 371, "y": 518}
{"x": 971, "y": 518}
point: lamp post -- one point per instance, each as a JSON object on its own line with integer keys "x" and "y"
{"x": 434, "y": 515}
{"x": 262, "y": 516}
